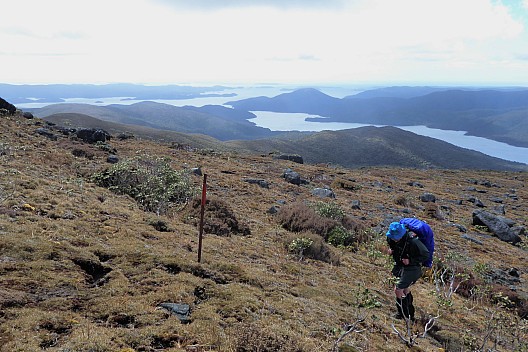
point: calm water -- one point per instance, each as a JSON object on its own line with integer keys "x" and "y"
{"x": 296, "y": 122}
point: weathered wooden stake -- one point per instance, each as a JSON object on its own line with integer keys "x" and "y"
{"x": 202, "y": 211}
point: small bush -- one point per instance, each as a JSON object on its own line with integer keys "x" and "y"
{"x": 299, "y": 245}
{"x": 219, "y": 219}
{"x": 339, "y": 236}
{"x": 150, "y": 181}
{"x": 329, "y": 210}
{"x": 298, "y": 217}
{"x": 317, "y": 249}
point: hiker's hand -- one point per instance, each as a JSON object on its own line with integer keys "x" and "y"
{"x": 405, "y": 261}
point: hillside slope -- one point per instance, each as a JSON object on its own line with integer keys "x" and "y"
{"x": 86, "y": 269}
{"x": 378, "y": 146}
{"x": 366, "y": 146}
{"x": 167, "y": 117}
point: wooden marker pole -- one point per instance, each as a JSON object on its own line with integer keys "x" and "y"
{"x": 202, "y": 211}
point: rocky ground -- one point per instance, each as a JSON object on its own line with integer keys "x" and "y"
{"x": 85, "y": 269}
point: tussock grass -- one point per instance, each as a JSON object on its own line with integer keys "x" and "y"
{"x": 85, "y": 269}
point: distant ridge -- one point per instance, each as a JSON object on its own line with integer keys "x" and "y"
{"x": 474, "y": 111}
{"x": 379, "y": 146}
{"x": 168, "y": 117}
{"x": 366, "y": 146}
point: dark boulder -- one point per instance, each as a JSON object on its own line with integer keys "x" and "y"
{"x": 292, "y": 176}
{"x": 8, "y": 108}
{"x": 46, "y": 133}
{"x": 291, "y": 157}
{"x": 92, "y": 135}
{"x": 256, "y": 181}
{"x": 497, "y": 225}
{"x": 428, "y": 197}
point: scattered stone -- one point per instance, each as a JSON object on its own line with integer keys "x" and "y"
{"x": 27, "y": 115}
{"x": 273, "y": 210}
{"x": 323, "y": 192}
{"x": 181, "y": 311}
{"x": 501, "y": 210}
{"x": 460, "y": 228}
{"x": 291, "y": 157}
{"x": 46, "y": 133}
{"x": 292, "y": 176}
{"x": 112, "y": 159}
{"x": 428, "y": 197}
{"x": 260, "y": 182}
{"x": 92, "y": 135}
{"x": 355, "y": 204}
{"x": 476, "y": 201}
{"x": 496, "y": 224}
{"x": 474, "y": 240}
{"x": 197, "y": 171}
{"x": 415, "y": 184}
{"x": 125, "y": 136}
{"x": 496, "y": 200}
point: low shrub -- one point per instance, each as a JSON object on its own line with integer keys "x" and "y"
{"x": 150, "y": 181}
{"x": 312, "y": 246}
{"x": 219, "y": 219}
{"x": 329, "y": 210}
{"x": 298, "y": 217}
{"x": 325, "y": 219}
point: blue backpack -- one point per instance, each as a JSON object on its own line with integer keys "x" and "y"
{"x": 424, "y": 233}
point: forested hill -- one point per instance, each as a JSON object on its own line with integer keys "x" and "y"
{"x": 495, "y": 114}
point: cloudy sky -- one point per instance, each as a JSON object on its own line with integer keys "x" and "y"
{"x": 265, "y": 41}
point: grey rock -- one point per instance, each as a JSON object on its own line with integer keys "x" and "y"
{"x": 496, "y": 224}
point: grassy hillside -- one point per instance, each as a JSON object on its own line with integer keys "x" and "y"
{"x": 378, "y": 146}
{"x": 73, "y": 120}
{"x": 85, "y": 269}
{"x": 166, "y": 117}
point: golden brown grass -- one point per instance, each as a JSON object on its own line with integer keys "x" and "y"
{"x": 84, "y": 269}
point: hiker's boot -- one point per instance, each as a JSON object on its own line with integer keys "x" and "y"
{"x": 408, "y": 307}
{"x": 399, "y": 305}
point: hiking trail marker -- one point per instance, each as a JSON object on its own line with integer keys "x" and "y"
{"x": 202, "y": 211}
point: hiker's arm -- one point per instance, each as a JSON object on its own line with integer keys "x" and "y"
{"x": 419, "y": 252}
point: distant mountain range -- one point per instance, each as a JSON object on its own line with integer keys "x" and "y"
{"x": 57, "y": 93}
{"x": 225, "y": 124}
{"x": 501, "y": 115}
{"x": 365, "y": 146}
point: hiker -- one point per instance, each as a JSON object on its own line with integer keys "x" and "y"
{"x": 408, "y": 253}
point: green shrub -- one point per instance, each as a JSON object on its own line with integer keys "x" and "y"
{"x": 299, "y": 245}
{"x": 339, "y": 236}
{"x": 329, "y": 210}
{"x": 150, "y": 181}
{"x": 313, "y": 246}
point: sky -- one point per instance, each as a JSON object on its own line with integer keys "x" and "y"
{"x": 413, "y": 42}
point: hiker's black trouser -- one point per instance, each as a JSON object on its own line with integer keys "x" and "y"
{"x": 405, "y": 306}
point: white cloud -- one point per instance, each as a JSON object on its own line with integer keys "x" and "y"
{"x": 154, "y": 41}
